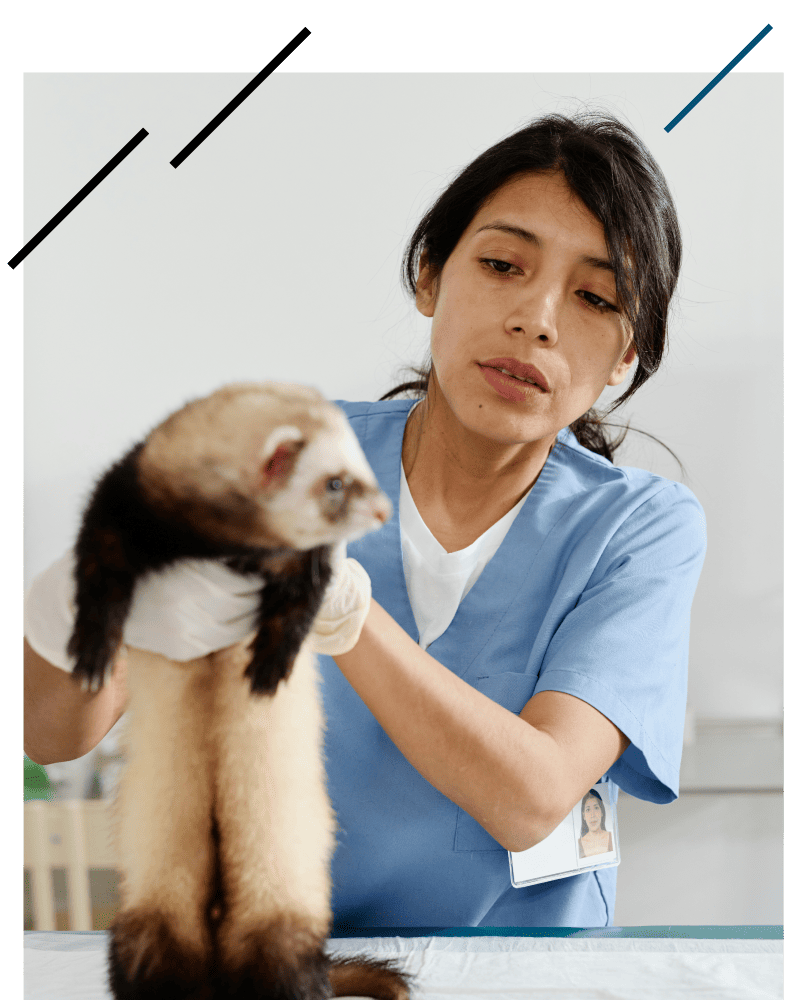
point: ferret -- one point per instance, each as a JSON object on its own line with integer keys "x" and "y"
{"x": 225, "y": 831}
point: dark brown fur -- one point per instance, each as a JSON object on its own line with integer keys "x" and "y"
{"x": 123, "y": 537}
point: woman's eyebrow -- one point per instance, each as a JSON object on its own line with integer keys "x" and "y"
{"x": 525, "y": 234}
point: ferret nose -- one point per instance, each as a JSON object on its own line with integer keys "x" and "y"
{"x": 382, "y": 509}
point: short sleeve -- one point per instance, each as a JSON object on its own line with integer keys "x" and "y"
{"x": 624, "y": 647}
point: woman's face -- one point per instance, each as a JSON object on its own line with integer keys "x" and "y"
{"x": 593, "y": 814}
{"x": 528, "y": 284}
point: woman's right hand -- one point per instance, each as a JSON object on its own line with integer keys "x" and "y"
{"x": 183, "y": 612}
{"x": 191, "y": 609}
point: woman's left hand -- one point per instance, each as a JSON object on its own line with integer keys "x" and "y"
{"x": 338, "y": 625}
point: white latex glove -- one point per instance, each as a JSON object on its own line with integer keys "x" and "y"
{"x": 184, "y": 612}
{"x": 199, "y": 606}
{"x": 344, "y": 609}
{"x": 193, "y": 608}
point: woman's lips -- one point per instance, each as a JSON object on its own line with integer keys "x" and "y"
{"x": 520, "y": 369}
{"x": 509, "y": 387}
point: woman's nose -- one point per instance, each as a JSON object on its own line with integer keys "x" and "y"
{"x": 535, "y": 313}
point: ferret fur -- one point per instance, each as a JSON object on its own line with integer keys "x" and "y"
{"x": 224, "y": 828}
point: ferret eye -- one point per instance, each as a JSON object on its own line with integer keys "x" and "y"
{"x": 334, "y": 484}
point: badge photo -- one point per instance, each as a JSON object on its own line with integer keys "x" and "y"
{"x": 586, "y": 840}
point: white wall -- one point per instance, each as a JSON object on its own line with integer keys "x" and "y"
{"x": 273, "y": 252}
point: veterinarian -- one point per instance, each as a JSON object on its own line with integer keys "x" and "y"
{"x": 519, "y": 629}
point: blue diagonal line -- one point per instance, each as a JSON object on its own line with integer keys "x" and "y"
{"x": 717, "y": 78}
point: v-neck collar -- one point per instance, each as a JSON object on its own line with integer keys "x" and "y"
{"x": 493, "y": 595}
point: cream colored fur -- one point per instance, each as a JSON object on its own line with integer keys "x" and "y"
{"x": 197, "y": 741}
{"x": 218, "y": 444}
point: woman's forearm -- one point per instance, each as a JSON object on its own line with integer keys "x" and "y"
{"x": 483, "y": 757}
{"x": 63, "y": 722}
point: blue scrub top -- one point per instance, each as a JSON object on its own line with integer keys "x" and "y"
{"x": 590, "y": 594}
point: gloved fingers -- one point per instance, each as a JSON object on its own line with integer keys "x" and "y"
{"x": 338, "y": 558}
{"x": 49, "y": 614}
{"x": 210, "y": 576}
{"x": 331, "y": 638}
{"x": 192, "y": 608}
{"x": 352, "y": 586}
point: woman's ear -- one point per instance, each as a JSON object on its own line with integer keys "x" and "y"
{"x": 623, "y": 366}
{"x": 426, "y": 287}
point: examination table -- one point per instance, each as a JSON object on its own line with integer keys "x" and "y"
{"x": 615, "y": 963}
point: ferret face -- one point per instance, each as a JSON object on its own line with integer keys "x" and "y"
{"x": 263, "y": 465}
{"x": 330, "y": 494}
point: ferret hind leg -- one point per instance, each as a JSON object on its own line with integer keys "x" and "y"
{"x": 276, "y": 830}
{"x": 160, "y": 942}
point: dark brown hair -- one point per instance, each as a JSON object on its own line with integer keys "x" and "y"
{"x": 612, "y": 172}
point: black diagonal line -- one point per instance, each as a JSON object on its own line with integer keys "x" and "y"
{"x": 120, "y": 156}
{"x": 190, "y": 147}
{"x": 74, "y": 202}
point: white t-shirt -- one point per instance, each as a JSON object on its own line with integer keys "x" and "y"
{"x": 438, "y": 581}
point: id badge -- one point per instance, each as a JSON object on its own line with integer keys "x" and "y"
{"x": 586, "y": 840}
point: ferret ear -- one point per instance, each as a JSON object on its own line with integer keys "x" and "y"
{"x": 278, "y": 455}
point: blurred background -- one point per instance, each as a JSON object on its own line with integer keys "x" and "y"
{"x": 273, "y": 252}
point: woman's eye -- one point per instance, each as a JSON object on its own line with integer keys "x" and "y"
{"x": 600, "y": 305}
{"x": 492, "y": 260}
